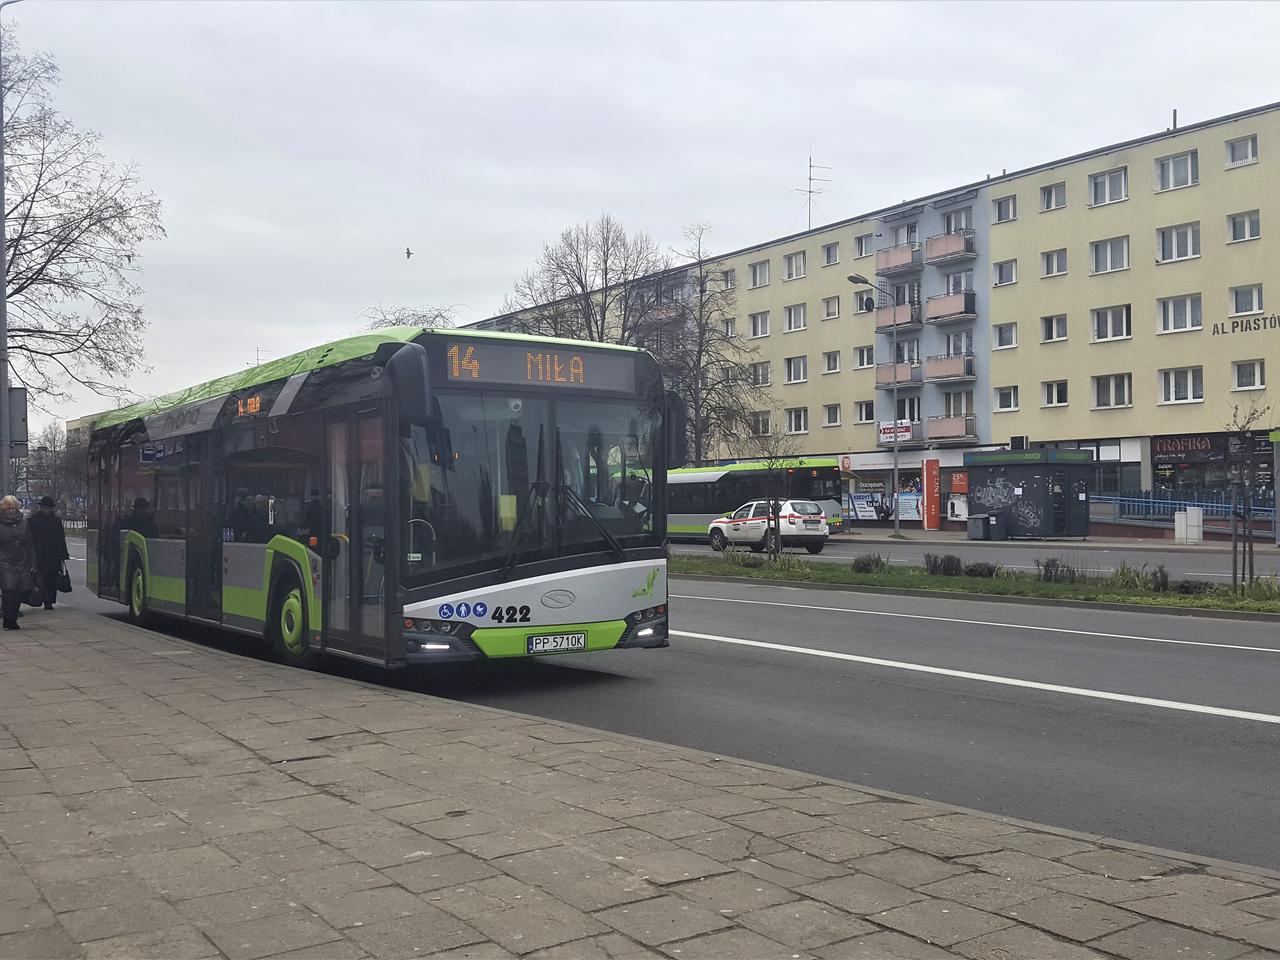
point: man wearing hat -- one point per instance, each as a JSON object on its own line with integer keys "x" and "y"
{"x": 50, "y": 542}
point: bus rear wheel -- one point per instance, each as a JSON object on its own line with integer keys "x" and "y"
{"x": 136, "y": 593}
{"x": 287, "y": 625}
{"x": 717, "y": 541}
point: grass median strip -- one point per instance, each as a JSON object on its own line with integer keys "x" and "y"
{"x": 1055, "y": 578}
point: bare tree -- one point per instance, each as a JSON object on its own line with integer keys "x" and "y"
{"x": 54, "y": 469}
{"x": 75, "y": 221}
{"x": 776, "y": 451}
{"x": 705, "y": 362}
{"x": 595, "y": 282}
{"x": 380, "y": 317}
{"x": 1242, "y": 477}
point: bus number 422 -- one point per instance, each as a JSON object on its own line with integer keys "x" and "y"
{"x": 510, "y": 614}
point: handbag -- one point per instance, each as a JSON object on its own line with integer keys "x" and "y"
{"x": 64, "y": 580}
{"x": 35, "y": 596}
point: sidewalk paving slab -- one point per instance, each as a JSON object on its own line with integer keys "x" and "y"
{"x": 160, "y": 798}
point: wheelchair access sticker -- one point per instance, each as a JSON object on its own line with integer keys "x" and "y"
{"x": 463, "y": 610}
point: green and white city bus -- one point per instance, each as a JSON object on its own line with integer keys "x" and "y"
{"x": 406, "y": 496}
{"x": 698, "y": 495}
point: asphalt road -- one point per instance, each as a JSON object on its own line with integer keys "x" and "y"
{"x": 1146, "y": 727}
{"x": 1198, "y": 563}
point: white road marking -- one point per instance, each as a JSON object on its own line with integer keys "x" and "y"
{"x": 990, "y": 678}
{"x": 982, "y": 623}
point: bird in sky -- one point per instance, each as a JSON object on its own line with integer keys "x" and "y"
{"x": 407, "y": 253}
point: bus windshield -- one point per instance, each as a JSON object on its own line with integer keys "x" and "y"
{"x": 497, "y": 477}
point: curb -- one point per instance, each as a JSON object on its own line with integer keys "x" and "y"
{"x": 1126, "y": 845}
{"x": 1198, "y": 612}
{"x": 1157, "y": 547}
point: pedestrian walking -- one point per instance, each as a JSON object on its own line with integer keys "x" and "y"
{"x": 17, "y": 561}
{"x": 49, "y": 540}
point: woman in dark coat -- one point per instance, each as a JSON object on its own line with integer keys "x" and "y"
{"x": 50, "y": 542}
{"x": 17, "y": 560}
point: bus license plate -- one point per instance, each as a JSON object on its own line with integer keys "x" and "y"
{"x": 557, "y": 642}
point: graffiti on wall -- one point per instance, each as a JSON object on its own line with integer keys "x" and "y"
{"x": 995, "y": 494}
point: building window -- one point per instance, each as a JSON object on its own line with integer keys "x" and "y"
{"x": 957, "y": 221}
{"x": 1246, "y": 299}
{"x": 1112, "y": 323}
{"x": 1006, "y": 398}
{"x": 1006, "y": 209}
{"x": 1109, "y": 186}
{"x": 1181, "y": 170}
{"x": 958, "y": 403}
{"x": 730, "y": 327}
{"x": 1178, "y": 243}
{"x": 1242, "y": 151}
{"x": 760, "y": 376}
{"x": 908, "y": 351}
{"x": 1006, "y": 272}
{"x": 960, "y": 282}
{"x": 1244, "y": 226}
{"x": 1113, "y": 390}
{"x": 1182, "y": 385}
{"x": 830, "y": 308}
{"x": 1053, "y": 197}
{"x": 729, "y": 279}
{"x": 909, "y": 409}
{"x": 1110, "y": 255}
{"x": 831, "y": 361}
{"x": 960, "y": 344}
{"x": 866, "y": 357}
{"x": 904, "y": 293}
{"x": 793, "y": 265}
{"x": 797, "y": 420}
{"x": 759, "y": 324}
{"x": 831, "y": 415}
{"x": 1055, "y": 262}
{"x": 1006, "y": 335}
{"x": 1248, "y": 375}
{"x": 1180, "y": 313}
{"x": 797, "y": 317}
{"x": 797, "y": 369}
{"x": 864, "y": 303}
{"x": 760, "y": 423}
{"x": 759, "y": 274}
{"x": 866, "y": 244}
{"x": 866, "y": 411}
{"x": 906, "y": 233}
{"x": 1055, "y": 393}
{"x": 1053, "y": 328}
{"x": 830, "y": 254}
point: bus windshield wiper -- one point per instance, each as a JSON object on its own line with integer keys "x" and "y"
{"x": 538, "y": 495}
{"x": 569, "y": 494}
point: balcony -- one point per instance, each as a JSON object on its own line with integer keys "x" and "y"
{"x": 885, "y": 436}
{"x": 906, "y": 374}
{"x": 899, "y": 259}
{"x": 950, "y": 307}
{"x": 950, "y": 247}
{"x": 951, "y": 429}
{"x": 897, "y": 317}
{"x": 949, "y": 367}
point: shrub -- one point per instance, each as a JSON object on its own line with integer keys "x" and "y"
{"x": 869, "y": 563}
{"x": 1158, "y": 580}
{"x": 1125, "y": 577}
{"x": 1191, "y": 588}
{"x": 1058, "y": 570}
{"x": 789, "y": 562}
{"x": 1263, "y": 588}
{"x": 932, "y": 564}
{"x": 947, "y": 565}
{"x": 981, "y": 569}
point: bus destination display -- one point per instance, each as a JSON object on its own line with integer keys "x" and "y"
{"x": 533, "y": 364}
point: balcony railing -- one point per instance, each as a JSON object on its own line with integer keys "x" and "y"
{"x": 949, "y": 367}
{"x": 946, "y": 247}
{"x": 948, "y": 307}
{"x": 908, "y": 373}
{"x": 897, "y": 316}
{"x": 899, "y": 259}
{"x": 917, "y": 436}
{"x": 952, "y": 428}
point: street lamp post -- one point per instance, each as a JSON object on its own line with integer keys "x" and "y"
{"x": 6, "y": 445}
{"x": 859, "y": 280}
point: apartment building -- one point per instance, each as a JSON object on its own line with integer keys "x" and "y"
{"x": 1115, "y": 300}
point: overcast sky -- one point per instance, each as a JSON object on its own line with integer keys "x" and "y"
{"x": 300, "y": 147}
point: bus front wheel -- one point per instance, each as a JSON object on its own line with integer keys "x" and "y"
{"x": 288, "y": 625}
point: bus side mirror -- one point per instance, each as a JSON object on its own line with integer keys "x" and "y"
{"x": 677, "y": 432}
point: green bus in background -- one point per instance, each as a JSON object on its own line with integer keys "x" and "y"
{"x": 698, "y": 495}
{"x": 406, "y": 496}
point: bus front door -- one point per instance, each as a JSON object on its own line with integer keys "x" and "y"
{"x": 354, "y": 593}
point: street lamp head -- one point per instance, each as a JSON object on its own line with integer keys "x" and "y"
{"x": 858, "y": 278}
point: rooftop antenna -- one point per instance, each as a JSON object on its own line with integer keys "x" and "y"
{"x": 1175, "y": 118}
{"x": 810, "y": 191}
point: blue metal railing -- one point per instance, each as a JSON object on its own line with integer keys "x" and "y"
{"x": 1159, "y": 507}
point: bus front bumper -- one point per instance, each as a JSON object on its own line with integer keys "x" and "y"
{"x": 465, "y": 644}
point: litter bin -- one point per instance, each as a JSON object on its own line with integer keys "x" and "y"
{"x": 979, "y": 528}
{"x": 997, "y": 527}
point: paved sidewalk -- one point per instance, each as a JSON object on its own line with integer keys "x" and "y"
{"x": 162, "y": 799}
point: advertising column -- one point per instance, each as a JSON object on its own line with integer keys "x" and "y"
{"x": 932, "y": 495}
